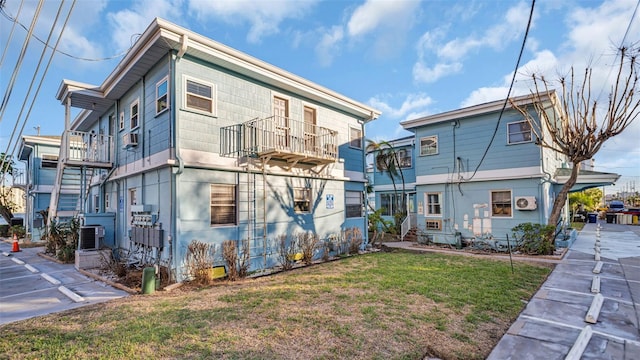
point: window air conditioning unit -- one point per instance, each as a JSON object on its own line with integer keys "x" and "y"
{"x": 130, "y": 140}
{"x": 526, "y": 203}
{"x": 91, "y": 237}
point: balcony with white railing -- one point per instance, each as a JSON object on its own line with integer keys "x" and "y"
{"x": 280, "y": 138}
{"x": 88, "y": 149}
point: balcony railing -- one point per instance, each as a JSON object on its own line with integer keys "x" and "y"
{"x": 281, "y": 138}
{"x": 87, "y": 148}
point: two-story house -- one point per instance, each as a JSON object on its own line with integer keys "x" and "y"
{"x": 479, "y": 172}
{"x": 40, "y": 156}
{"x": 188, "y": 139}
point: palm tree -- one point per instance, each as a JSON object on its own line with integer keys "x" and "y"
{"x": 386, "y": 159}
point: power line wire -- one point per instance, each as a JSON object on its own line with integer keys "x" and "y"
{"x": 506, "y": 100}
{"x": 13, "y": 28}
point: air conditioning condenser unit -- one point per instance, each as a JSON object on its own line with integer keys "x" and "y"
{"x": 526, "y": 203}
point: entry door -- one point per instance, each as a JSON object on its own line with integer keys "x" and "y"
{"x": 281, "y": 117}
{"x": 310, "y": 130}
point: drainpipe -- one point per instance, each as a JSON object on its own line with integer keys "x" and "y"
{"x": 173, "y": 138}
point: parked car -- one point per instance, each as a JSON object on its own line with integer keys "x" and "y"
{"x": 615, "y": 206}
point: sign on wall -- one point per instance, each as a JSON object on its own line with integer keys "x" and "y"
{"x": 329, "y": 201}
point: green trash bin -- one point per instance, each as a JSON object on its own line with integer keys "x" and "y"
{"x": 148, "y": 280}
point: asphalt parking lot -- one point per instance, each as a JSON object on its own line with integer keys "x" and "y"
{"x": 32, "y": 286}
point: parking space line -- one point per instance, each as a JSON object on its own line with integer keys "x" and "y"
{"x": 31, "y": 268}
{"x": 70, "y": 294}
{"x": 17, "y": 261}
{"x": 50, "y": 279}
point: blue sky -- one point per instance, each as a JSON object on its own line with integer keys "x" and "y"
{"x": 405, "y": 58}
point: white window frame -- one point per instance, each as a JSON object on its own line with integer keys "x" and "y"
{"x": 96, "y": 203}
{"x": 509, "y": 133}
{"x": 351, "y": 198}
{"x": 121, "y": 121}
{"x": 107, "y": 205}
{"x": 433, "y": 224}
{"x": 134, "y": 117}
{"x": 49, "y": 161}
{"x": 434, "y": 139}
{"x": 302, "y": 200}
{"x": 394, "y": 201}
{"x": 494, "y": 212}
{"x": 162, "y": 105}
{"x": 217, "y": 203}
{"x": 353, "y": 140}
{"x": 429, "y": 205}
{"x": 212, "y": 86}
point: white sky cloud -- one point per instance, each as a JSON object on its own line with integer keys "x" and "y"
{"x": 412, "y": 105}
{"x": 374, "y": 14}
{"x": 264, "y": 17}
{"x": 328, "y": 47}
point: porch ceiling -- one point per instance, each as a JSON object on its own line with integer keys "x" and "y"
{"x": 587, "y": 179}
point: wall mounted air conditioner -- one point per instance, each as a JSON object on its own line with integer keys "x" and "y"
{"x": 526, "y": 203}
{"x": 91, "y": 237}
{"x": 130, "y": 140}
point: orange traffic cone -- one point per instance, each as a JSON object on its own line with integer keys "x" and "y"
{"x": 16, "y": 246}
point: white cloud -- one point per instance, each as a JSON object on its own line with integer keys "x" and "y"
{"x": 264, "y": 17}
{"x": 412, "y": 105}
{"x": 374, "y": 14}
{"x": 126, "y": 24}
{"x": 423, "y": 73}
{"x": 328, "y": 46}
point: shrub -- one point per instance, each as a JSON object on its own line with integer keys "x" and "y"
{"x": 18, "y": 230}
{"x": 308, "y": 243}
{"x": 354, "y": 240}
{"x": 200, "y": 257}
{"x": 535, "y": 239}
{"x": 4, "y": 230}
{"x": 286, "y": 251}
{"x": 62, "y": 240}
{"x": 237, "y": 266}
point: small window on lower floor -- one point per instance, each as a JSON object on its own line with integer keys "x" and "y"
{"x": 433, "y": 224}
{"x": 501, "y": 203}
{"x": 302, "y": 200}
{"x": 353, "y": 203}
{"x": 223, "y": 204}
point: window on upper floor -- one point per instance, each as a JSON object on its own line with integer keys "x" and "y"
{"x": 49, "y": 161}
{"x": 223, "y": 204}
{"x": 353, "y": 203}
{"x": 501, "y": 203}
{"x": 402, "y": 158}
{"x": 96, "y": 203}
{"x": 429, "y": 145}
{"x": 518, "y": 132}
{"x": 121, "y": 121}
{"x": 302, "y": 200}
{"x": 355, "y": 138}
{"x": 162, "y": 95}
{"x": 434, "y": 204}
{"x": 134, "y": 115}
{"x": 199, "y": 96}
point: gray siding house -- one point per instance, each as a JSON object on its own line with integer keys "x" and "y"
{"x": 188, "y": 139}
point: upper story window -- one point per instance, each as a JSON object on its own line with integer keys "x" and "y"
{"x": 404, "y": 158}
{"x": 121, "y": 121}
{"x": 134, "y": 118}
{"x": 429, "y": 145}
{"x": 302, "y": 200}
{"x": 355, "y": 138}
{"x": 501, "y": 203}
{"x": 434, "y": 204}
{"x": 223, "y": 204}
{"x": 518, "y": 132}
{"x": 199, "y": 96}
{"x": 49, "y": 161}
{"x": 162, "y": 97}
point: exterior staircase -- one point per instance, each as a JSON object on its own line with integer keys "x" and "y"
{"x": 411, "y": 235}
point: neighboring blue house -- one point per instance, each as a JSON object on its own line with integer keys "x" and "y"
{"x": 188, "y": 139}
{"x": 388, "y": 192}
{"x": 40, "y": 155}
{"x": 465, "y": 193}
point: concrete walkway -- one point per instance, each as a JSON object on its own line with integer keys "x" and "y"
{"x": 554, "y": 323}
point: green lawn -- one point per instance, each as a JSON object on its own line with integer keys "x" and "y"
{"x": 396, "y": 305}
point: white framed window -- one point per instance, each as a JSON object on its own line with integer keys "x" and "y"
{"x": 199, "y": 96}
{"x": 223, "y": 204}
{"x": 518, "y": 132}
{"x": 431, "y": 224}
{"x": 162, "y": 95}
{"x": 390, "y": 203}
{"x": 133, "y": 196}
{"x": 49, "y": 161}
{"x": 429, "y": 145}
{"x": 96, "y": 203}
{"x": 353, "y": 203}
{"x": 134, "y": 114}
{"x": 501, "y": 203}
{"x": 302, "y": 200}
{"x": 107, "y": 205}
{"x": 355, "y": 138}
{"x": 404, "y": 158}
{"x": 434, "y": 204}
{"x": 121, "y": 121}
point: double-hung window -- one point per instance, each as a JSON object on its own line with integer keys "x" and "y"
{"x": 353, "y": 203}
{"x": 199, "y": 96}
{"x": 223, "y": 204}
{"x": 501, "y": 203}
{"x": 429, "y": 145}
{"x": 134, "y": 116}
{"x": 302, "y": 200}
{"x": 355, "y": 138}
{"x": 519, "y": 132}
{"x": 162, "y": 99}
{"x": 434, "y": 204}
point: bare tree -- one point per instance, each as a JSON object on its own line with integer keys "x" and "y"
{"x": 6, "y": 205}
{"x": 574, "y": 125}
